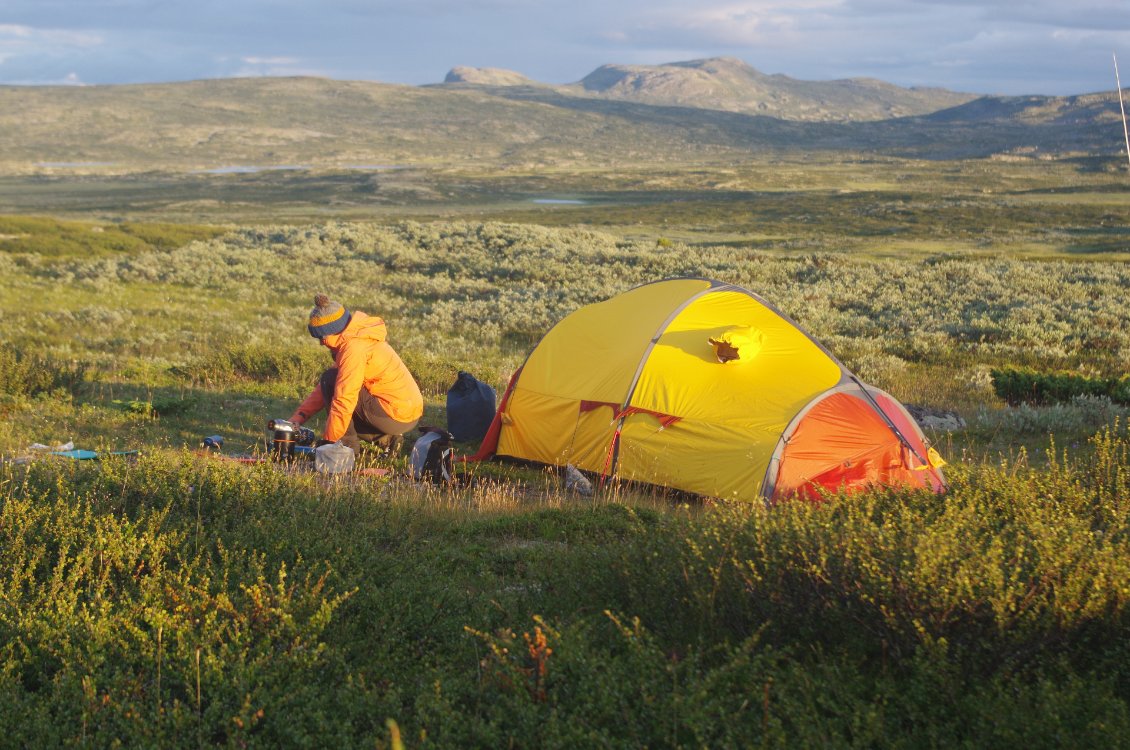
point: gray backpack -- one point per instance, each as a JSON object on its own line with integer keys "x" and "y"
{"x": 433, "y": 457}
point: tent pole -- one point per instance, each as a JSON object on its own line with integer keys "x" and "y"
{"x": 894, "y": 428}
{"x": 1125, "y": 130}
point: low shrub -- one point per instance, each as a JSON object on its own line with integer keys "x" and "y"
{"x": 1080, "y": 415}
{"x": 24, "y": 373}
{"x": 180, "y": 602}
{"x": 52, "y": 238}
{"x": 256, "y": 362}
{"x": 158, "y": 406}
{"x": 1018, "y": 386}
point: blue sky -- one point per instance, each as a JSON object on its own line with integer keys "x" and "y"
{"x": 1018, "y": 47}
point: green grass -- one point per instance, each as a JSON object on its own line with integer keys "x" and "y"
{"x": 51, "y": 238}
{"x": 184, "y": 601}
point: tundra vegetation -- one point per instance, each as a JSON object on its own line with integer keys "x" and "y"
{"x": 175, "y": 600}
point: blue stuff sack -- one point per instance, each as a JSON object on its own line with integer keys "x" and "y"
{"x": 470, "y": 408}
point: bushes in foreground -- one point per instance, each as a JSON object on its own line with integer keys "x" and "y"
{"x": 176, "y": 602}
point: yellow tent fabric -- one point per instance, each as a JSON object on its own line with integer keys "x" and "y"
{"x": 737, "y": 344}
{"x": 633, "y": 387}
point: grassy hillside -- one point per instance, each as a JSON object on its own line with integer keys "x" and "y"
{"x": 286, "y": 123}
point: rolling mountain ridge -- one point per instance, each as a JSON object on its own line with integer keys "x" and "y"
{"x": 510, "y": 122}
{"x": 730, "y": 85}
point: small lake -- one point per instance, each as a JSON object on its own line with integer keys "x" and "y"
{"x": 559, "y": 201}
{"x": 73, "y": 164}
{"x": 254, "y": 169}
{"x": 250, "y": 169}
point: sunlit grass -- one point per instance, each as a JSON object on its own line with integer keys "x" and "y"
{"x": 182, "y": 600}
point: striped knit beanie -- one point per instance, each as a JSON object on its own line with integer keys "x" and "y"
{"x": 327, "y": 317}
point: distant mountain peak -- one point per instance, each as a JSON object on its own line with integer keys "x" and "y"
{"x": 730, "y": 84}
{"x": 485, "y": 76}
{"x": 707, "y": 72}
{"x": 714, "y": 63}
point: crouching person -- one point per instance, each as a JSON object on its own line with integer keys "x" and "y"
{"x": 369, "y": 394}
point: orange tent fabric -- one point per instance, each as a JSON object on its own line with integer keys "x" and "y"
{"x": 844, "y": 443}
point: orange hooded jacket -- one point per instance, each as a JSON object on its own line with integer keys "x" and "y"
{"x": 364, "y": 359}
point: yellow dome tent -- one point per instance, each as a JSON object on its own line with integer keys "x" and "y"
{"x": 705, "y": 387}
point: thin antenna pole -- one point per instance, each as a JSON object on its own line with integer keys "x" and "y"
{"x": 1125, "y": 130}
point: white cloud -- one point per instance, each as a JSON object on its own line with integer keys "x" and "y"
{"x": 253, "y": 66}
{"x": 1081, "y": 14}
{"x": 614, "y": 36}
{"x": 991, "y": 46}
{"x": 19, "y": 42}
{"x": 17, "y": 35}
{"x": 270, "y": 60}
{"x": 15, "y": 30}
{"x": 750, "y": 22}
{"x": 986, "y": 46}
{"x": 30, "y": 55}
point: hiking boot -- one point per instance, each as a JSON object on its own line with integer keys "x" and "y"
{"x": 389, "y": 443}
{"x": 382, "y": 443}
